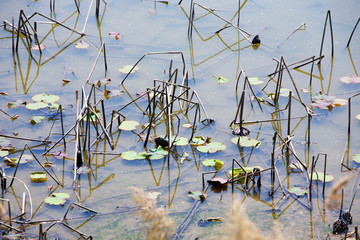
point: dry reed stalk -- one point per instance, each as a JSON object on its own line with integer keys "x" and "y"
{"x": 158, "y": 225}
{"x": 334, "y": 198}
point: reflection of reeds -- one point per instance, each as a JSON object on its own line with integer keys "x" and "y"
{"x": 240, "y": 227}
{"x": 157, "y": 224}
{"x": 334, "y": 198}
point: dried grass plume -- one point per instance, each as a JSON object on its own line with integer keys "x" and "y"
{"x": 334, "y": 199}
{"x": 158, "y": 225}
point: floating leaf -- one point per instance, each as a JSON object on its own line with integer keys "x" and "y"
{"x": 59, "y": 154}
{"x": 222, "y": 79}
{"x": 53, "y": 107}
{"x": 44, "y": 97}
{"x": 181, "y": 141}
{"x": 246, "y": 142}
{"x": 128, "y": 125}
{"x": 126, "y": 69}
{"x": 241, "y": 131}
{"x": 36, "y": 47}
{"x": 218, "y": 181}
{"x": 211, "y": 147}
{"x": 14, "y": 117}
{"x": 324, "y": 101}
{"x": 255, "y": 81}
{"x": 356, "y": 157}
{"x": 38, "y": 177}
{"x": 16, "y": 103}
{"x": 94, "y": 118}
{"x": 115, "y": 35}
{"x": 305, "y": 90}
{"x": 187, "y": 125}
{"x": 36, "y": 119}
{"x": 284, "y": 92}
{"x": 340, "y": 102}
{"x": 319, "y": 176}
{"x": 159, "y": 150}
{"x": 358, "y": 116}
{"x": 132, "y": 155}
{"x": 103, "y": 81}
{"x": 3, "y": 153}
{"x": 113, "y": 93}
{"x": 198, "y": 140}
{"x": 57, "y": 198}
{"x": 10, "y": 161}
{"x": 349, "y": 79}
{"x": 36, "y": 106}
{"x": 197, "y": 195}
{"x": 239, "y": 171}
{"x": 213, "y": 163}
{"x": 82, "y": 45}
{"x": 3, "y": 94}
{"x": 153, "y": 195}
{"x": 65, "y": 81}
{"x": 298, "y": 191}
{"x": 83, "y": 170}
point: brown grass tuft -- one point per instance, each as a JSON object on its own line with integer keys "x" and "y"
{"x": 333, "y": 201}
{"x": 158, "y": 226}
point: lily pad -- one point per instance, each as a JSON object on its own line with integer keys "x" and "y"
{"x": 153, "y": 195}
{"x": 36, "y": 47}
{"x": 198, "y": 140}
{"x": 13, "y": 161}
{"x": 83, "y": 170}
{"x": 159, "y": 150}
{"x": 16, "y": 103}
{"x": 246, "y": 142}
{"x": 298, "y": 191}
{"x": 319, "y": 176}
{"x": 57, "y": 198}
{"x": 356, "y": 157}
{"x": 187, "y": 125}
{"x": 358, "y": 116}
{"x": 3, "y": 153}
{"x": 59, "y": 154}
{"x": 222, "y": 79}
{"x": 38, "y": 177}
{"x": 44, "y": 97}
{"x": 82, "y": 45}
{"x": 349, "y": 79}
{"x": 132, "y": 155}
{"x": 36, "y": 119}
{"x": 103, "y": 81}
{"x": 115, "y": 35}
{"x": 284, "y": 92}
{"x": 36, "y": 105}
{"x": 340, "y": 102}
{"x": 239, "y": 172}
{"x": 211, "y": 147}
{"x": 255, "y": 81}
{"x": 181, "y": 141}
{"x": 128, "y": 125}
{"x": 126, "y": 69}
{"x": 218, "y": 181}
{"x": 213, "y": 163}
{"x": 113, "y": 93}
{"x": 93, "y": 118}
{"x": 197, "y": 195}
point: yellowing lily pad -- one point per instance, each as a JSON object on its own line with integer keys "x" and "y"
{"x": 44, "y": 97}
{"x": 246, "y": 142}
{"x": 197, "y": 195}
{"x": 213, "y": 163}
{"x": 255, "y": 81}
{"x": 126, "y": 69}
{"x": 36, "y": 105}
{"x": 340, "y": 102}
{"x": 211, "y": 147}
{"x": 356, "y": 157}
{"x": 128, "y": 125}
{"x": 319, "y": 176}
{"x": 222, "y": 79}
{"x": 57, "y": 198}
{"x": 38, "y": 177}
{"x": 36, "y": 119}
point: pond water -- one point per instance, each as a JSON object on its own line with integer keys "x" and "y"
{"x": 210, "y": 48}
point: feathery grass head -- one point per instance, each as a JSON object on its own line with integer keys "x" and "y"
{"x": 334, "y": 199}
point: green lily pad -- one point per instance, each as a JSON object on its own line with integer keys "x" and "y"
{"x": 57, "y": 198}
{"x": 239, "y": 172}
{"x": 349, "y": 79}
{"x": 181, "y": 141}
{"x": 211, "y": 147}
{"x": 157, "y": 153}
{"x": 222, "y": 79}
{"x": 255, "y": 81}
{"x": 298, "y": 191}
{"x": 54, "y": 107}
{"x": 36, "y": 119}
{"x": 38, "y": 177}
{"x": 93, "y": 118}
{"x": 16, "y": 103}
{"x": 284, "y": 92}
{"x": 198, "y": 140}
{"x": 128, "y": 125}
{"x": 213, "y": 163}
{"x": 319, "y": 176}
{"x": 126, "y": 69}
{"x": 356, "y": 157}
{"x": 36, "y": 105}
{"x": 44, "y": 97}
{"x": 113, "y": 93}
{"x": 132, "y": 155}
{"x": 246, "y": 142}
{"x": 197, "y": 195}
